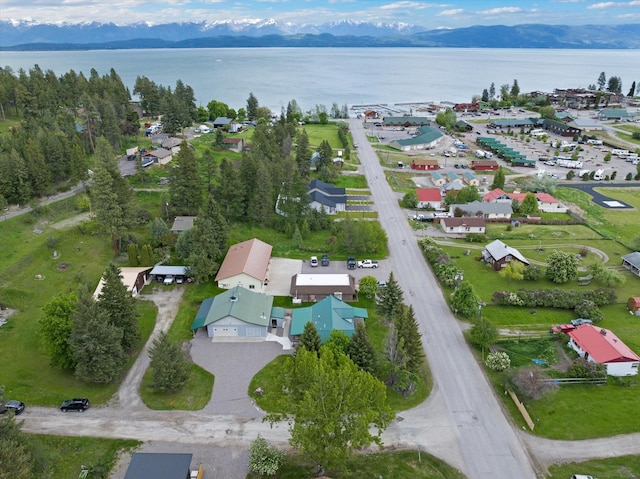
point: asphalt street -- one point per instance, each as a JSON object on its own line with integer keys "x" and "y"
{"x": 599, "y": 198}
{"x": 489, "y": 445}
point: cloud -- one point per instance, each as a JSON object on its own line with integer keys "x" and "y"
{"x": 409, "y": 5}
{"x": 596, "y": 6}
{"x": 454, "y": 11}
{"x": 500, "y": 10}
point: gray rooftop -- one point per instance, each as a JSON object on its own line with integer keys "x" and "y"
{"x": 486, "y": 208}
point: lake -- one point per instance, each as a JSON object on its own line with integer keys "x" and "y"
{"x": 343, "y": 75}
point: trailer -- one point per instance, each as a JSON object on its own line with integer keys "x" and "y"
{"x": 568, "y": 163}
{"x": 599, "y": 175}
{"x": 480, "y": 154}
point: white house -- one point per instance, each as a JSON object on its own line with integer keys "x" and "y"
{"x": 601, "y": 346}
{"x": 463, "y": 225}
{"x": 245, "y": 265}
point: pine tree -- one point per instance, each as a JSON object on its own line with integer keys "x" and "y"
{"x": 146, "y": 255}
{"x": 170, "y": 371}
{"x": 95, "y": 342}
{"x": 132, "y": 253}
{"x": 208, "y": 239}
{"x": 361, "y": 350}
{"x": 185, "y": 185}
{"x": 310, "y": 339}
{"x": 408, "y": 331}
{"x": 389, "y": 298}
{"x": 303, "y": 154}
{"x": 117, "y": 304}
{"x": 229, "y": 191}
{"x": 498, "y": 179}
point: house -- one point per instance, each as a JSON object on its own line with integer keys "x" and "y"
{"x": 496, "y": 196}
{"x": 182, "y": 223}
{"x": 429, "y": 198}
{"x": 464, "y": 225}
{"x": 546, "y": 202}
{"x": 631, "y": 261}
{"x": 488, "y": 211}
{"x": 172, "y": 144}
{"x": 147, "y": 465}
{"x": 633, "y": 305}
{"x": 314, "y": 287}
{"x": 452, "y": 176}
{"x": 246, "y": 264}
{"x": 602, "y": 346}
{"x": 424, "y": 164}
{"x": 470, "y": 179}
{"x": 498, "y": 255}
{"x": 234, "y": 144}
{"x": 162, "y": 273}
{"x": 325, "y": 196}
{"x": 455, "y": 185}
{"x": 160, "y": 156}
{"x": 134, "y": 278}
{"x": 484, "y": 165}
{"x": 327, "y": 315}
{"x": 222, "y": 122}
{"x": 237, "y": 313}
{"x": 426, "y": 139}
{"x": 438, "y": 179}
{"x": 587, "y": 124}
{"x": 514, "y": 123}
{"x": 462, "y": 125}
{"x": 371, "y": 115}
{"x": 466, "y": 107}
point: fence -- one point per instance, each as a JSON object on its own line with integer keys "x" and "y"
{"x": 562, "y": 381}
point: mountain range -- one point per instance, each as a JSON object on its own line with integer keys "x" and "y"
{"x": 28, "y": 36}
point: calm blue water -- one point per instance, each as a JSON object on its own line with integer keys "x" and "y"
{"x": 346, "y": 75}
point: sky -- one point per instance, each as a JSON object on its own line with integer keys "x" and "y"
{"x": 431, "y": 15}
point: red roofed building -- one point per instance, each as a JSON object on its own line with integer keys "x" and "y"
{"x": 495, "y": 196}
{"x": 633, "y": 305}
{"x": 429, "y": 198}
{"x": 425, "y": 164}
{"x": 484, "y": 165}
{"x": 601, "y": 346}
{"x": 546, "y": 202}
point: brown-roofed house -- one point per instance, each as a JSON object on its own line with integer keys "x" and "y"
{"x": 464, "y": 225}
{"x": 314, "y": 287}
{"x": 245, "y": 265}
{"x": 424, "y": 164}
{"x": 234, "y": 144}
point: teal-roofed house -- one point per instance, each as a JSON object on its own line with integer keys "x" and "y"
{"x": 239, "y": 313}
{"x": 327, "y": 315}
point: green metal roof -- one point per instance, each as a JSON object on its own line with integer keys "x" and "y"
{"x": 426, "y": 134}
{"x": 328, "y": 314}
{"x": 239, "y": 303}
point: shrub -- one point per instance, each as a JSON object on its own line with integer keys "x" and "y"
{"x": 475, "y": 238}
{"x": 581, "y": 368}
{"x": 498, "y": 361}
{"x": 588, "y": 309}
{"x": 532, "y": 273}
{"x": 532, "y": 383}
{"x": 553, "y": 298}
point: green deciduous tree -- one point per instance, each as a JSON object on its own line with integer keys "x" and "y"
{"x": 368, "y": 285}
{"x": 95, "y": 342}
{"x": 389, "y": 298}
{"x": 119, "y": 306}
{"x": 498, "y": 361}
{"x": 465, "y": 300}
{"x": 610, "y": 277}
{"x": 170, "y": 371}
{"x": 146, "y": 255}
{"x": 483, "y": 334}
{"x": 264, "y": 458}
{"x": 561, "y": 267}
{"x": 529, "y": 205}
{"x": 55, "y": 329}
{"x": 513, "y": 270}
{"x": 335, "y": 407}
{"x": 310, "y": 338}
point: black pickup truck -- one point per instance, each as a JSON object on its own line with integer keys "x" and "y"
{"x": 351, "y": 263}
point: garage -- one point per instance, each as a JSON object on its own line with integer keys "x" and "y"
{"x": 225, "y": 332}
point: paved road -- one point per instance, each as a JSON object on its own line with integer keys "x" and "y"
{"x": 489, "y": 446}
{"x": 599, "y": 198}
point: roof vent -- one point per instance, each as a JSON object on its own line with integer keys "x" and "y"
{"x": 233, "y": 299}
{"x": 603, "y": 332}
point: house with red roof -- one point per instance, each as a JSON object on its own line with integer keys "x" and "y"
{"x": 546, "y": 202}
{"x": 429, "y": 198}
{"x": 602, "y": 346}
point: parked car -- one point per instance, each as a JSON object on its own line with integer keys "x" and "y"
{"x": 75, "y": 404}
{"x": 314, "y": 261}
{"x": 325, "y": 260}
{"x": 351, "y": 263}
{"x": 579, "y": 321}
{"x": 563, "y": 328}
{"x": 381, "y": 284}
{"x": 16, "y": 406}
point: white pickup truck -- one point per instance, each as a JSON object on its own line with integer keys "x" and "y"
{"x": 367, "y": 263}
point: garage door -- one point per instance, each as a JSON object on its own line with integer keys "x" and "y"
{"x": 225, "y": 332}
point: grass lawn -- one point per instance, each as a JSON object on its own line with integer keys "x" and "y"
{"x": 395, "y": 464}
{"x": 613, "y": 224}
{"x": 612, "y": 468}
{"x": 65, "y": 455}
{"x": 194, "y": 396}
{"x": 318, "y": 133}
{"x": 351, "y": 181}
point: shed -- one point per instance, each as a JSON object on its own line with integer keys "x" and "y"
{"x": 498, "y": 255}
{"x": 633, "y": 305}
{"x": 134, "y": 278}
{"x": 160, "y": 272}
{"x": 631, "y": 261}
{"x": 182, "y": 223}
{"x": 146, "y": 465}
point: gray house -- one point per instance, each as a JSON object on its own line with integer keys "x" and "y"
{"x": 631, "y": 261}
{"x": 238, "y": 313}
{"x": 486, "y": 210}
{"x": 324, "y": 195}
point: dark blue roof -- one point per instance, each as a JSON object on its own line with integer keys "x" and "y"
{"x": 159, "y": 466}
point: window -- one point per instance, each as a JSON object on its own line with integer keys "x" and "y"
{"x": 635, "y": 365}
{"x": 252, "y": 286}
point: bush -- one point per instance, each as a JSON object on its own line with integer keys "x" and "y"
{"x": 553, "y": 298}
{"x": 588, "y": 309}
{"x": 498, "y": 361}
{"x": 581, "y": 368}
{"x": 532, "y": 273}
{"x": 475, "y": 238}
{"x": 532, "y": 383}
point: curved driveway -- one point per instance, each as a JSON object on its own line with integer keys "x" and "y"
{"x": 599, "y": 198}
